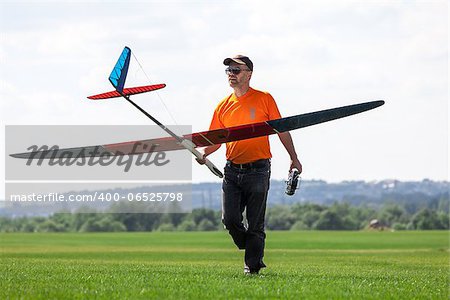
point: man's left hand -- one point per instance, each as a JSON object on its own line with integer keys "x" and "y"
{"x": 296, "y": 164}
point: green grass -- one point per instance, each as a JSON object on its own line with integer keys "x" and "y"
{"x": 200, "y": 265}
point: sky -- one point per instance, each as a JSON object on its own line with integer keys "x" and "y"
{"x": 310, "y": 55}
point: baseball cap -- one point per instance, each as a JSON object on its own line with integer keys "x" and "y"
{"x": 239, "y": 59}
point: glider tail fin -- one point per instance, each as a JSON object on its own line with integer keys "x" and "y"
{"x": 120, "y": 70}
{"x": 118, "y": 77}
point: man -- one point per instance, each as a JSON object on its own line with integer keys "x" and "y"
{"x": 247, "y": 172}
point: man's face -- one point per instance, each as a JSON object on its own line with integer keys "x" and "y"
{"x": 240, "y": 79}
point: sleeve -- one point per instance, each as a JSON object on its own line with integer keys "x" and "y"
{"x": 215, "y": 122}
{"x": 274, "y": 113}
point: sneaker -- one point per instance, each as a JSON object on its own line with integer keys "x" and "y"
{"x": 248, "y": 271}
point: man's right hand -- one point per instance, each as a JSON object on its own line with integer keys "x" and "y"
{"x": 205, "y": 152}
{"x": 202, "y": 160}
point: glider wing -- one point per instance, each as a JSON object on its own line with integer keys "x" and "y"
{"x": 212, "y": 137}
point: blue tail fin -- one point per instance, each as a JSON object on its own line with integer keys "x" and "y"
{"x": 119, "y": 73}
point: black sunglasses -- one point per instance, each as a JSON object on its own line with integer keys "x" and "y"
{"x": 234, "y": 70}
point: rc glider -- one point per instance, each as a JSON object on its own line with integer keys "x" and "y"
{"x": 195, "y": 140}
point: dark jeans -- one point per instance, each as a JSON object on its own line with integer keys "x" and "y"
{"x": 246, "y": 189}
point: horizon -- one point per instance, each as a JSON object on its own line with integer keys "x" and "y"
{"x": 138, "y": 185}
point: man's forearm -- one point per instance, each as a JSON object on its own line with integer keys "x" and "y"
{"x": 210, "y": 149}
{"x": 286, "y": 140}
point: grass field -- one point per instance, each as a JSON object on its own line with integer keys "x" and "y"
{"x": 205, "y": 265}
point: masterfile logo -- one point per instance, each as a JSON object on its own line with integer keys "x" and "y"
{"x": 93, "y": 153}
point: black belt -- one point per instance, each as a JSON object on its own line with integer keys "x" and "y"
{"x": 254, "y": 164}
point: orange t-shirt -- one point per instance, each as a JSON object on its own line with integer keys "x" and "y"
{"x": 253, "y": 107}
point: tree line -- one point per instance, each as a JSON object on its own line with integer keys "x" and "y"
{"x": 299, "y": 216}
